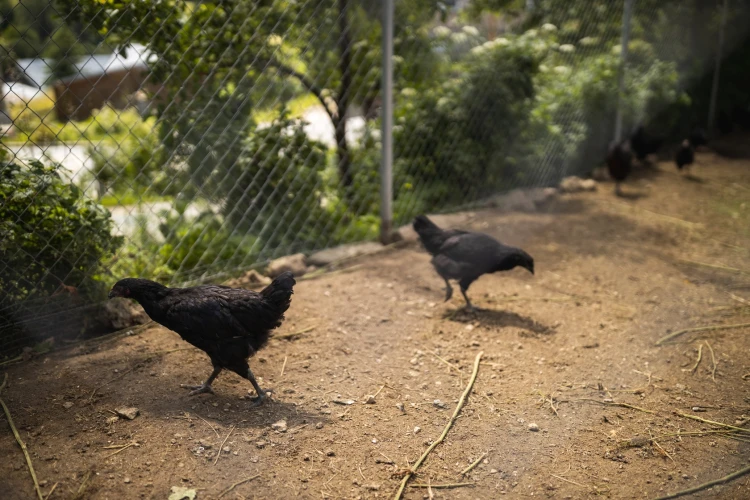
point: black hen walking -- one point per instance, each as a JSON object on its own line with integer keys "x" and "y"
{"x": 685, "y": 156}
{"x": 643, "y": 144}
{"x": 465, "y": 256}
{"x": 619, "y": 163}
{"x": 228, "y": 324}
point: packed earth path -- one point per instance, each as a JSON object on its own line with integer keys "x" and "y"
{"x": 574, "y": 397}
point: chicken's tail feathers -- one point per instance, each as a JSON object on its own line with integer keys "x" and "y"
{"x": 279, "y": 292}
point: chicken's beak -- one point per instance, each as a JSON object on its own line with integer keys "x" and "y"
{"x": 111, "y": 294}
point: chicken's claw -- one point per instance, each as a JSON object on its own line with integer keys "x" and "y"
{"x": 198, "y": 389}
{"x": 259, "y": 399}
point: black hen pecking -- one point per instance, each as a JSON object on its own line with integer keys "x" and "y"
{"x": 619, "y": 163}
{"x": 465, "y": 256}
{"x": 229, "y": 324}
{"x": 643, "y": 144}
{"x": 685, "y": 156}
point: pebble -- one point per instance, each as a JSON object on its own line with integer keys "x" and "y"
{"x": 370, "y": 400}
{"x": 261, "y": 444}
{"x": 330, "y": 453}
{"x": 400, "y": 406}
{"x": 279, "y": 426}
{"x": 126, "y": 480}
{"x": 319, "y": 425}
{"x": 440, "y": 404}
{"x": 417, "y": 429}
{"x": 67, "y": 405}
{"x": 374, "y": 441}
{"x": 129, "y": 413}
{"x": 533, "y": 427}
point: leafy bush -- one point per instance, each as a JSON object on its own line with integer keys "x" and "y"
{"x": 129, "y": 157}
{"x": 275, "y": 192}
{"x": 457, "y": 141}
{"x": 50, "y": 233}
{"x": 184, "y": 248}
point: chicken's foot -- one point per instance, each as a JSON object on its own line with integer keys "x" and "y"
{"x": 206, "y": 386}
{"x": 469, "y": 306}
{"x": 262, "y": 396}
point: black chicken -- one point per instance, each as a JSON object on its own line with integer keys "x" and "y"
{"x": 685, "y": 156}
{"x": 698, "y": 138}
{"x": 619, "y": 163}
{"x": 643, "y": 144}
{"x": 465, "y": 256}
{"x": 229, "y": 324}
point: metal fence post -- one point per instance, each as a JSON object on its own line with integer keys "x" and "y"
{"x": 717, "y": 70}
{"x": 386, "y": 166}
{"x": 626, "y": 16}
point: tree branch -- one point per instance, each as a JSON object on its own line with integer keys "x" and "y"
{"x": 310, "y": 85}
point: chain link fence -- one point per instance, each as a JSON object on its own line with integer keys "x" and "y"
{"x": 191, "y": 141}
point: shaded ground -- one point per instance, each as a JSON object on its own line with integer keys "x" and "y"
{"x": 579, "y": 334}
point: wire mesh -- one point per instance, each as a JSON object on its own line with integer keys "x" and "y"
{"x": 190, "y": 141}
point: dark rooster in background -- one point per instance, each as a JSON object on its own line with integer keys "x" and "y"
{"x": 228, "y": 324}
{"x": 685, "y": 155}
{"x": 465, "y": 256}
{"x": 643, "y": 145}
{"x": 619, "y": 163}
{"x": 698, "y": 138}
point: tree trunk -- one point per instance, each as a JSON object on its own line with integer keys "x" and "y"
{"x": 345, "y": 66}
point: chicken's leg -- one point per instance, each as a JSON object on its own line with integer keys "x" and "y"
{"x": 206, "y": 386}
{"x": 469, "y": 306}
{"x": 260, "y": 392}
{"x": 465, "y": 283}
{"x": 448, "y": 290}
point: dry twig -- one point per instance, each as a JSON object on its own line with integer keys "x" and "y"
{"x": 698, "y": 361}
{"x": 700, "y": 329}
{"x": 20, "y": 441}
{"x": 211, "y": 426}
{"x": 568, "y": 480}
{"x": 448, "y": 426}
{"x": 705, "y": 421}
{"x": 121, "y": 448}
{"x": 622, "y": 405}
{"x": 714, "y": 266}
{"x": 247, "y": 480}
{"x": 51, "y": 490}
{"x": 283, "y": 366}
{"x": 294, "y": 334}
{"x": 713, "y": 362}
{"x": 445, "y": 486}
{"x": 473, "y": 464}
{"x": 695, "y": 489}
{"x": 218, "y": 453}
{"x": 82, "y": 488}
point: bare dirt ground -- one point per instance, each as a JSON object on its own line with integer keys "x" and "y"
{"x": 560, "y": 349}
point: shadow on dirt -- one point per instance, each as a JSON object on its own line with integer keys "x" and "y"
{"x": 497, "y": 319}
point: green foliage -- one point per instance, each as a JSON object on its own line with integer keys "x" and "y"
{"x": 127, "y": 155}
{"x": 50, "y": 233}
{"x": 275, "y": 192}
{"x": 457, "y": 141}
